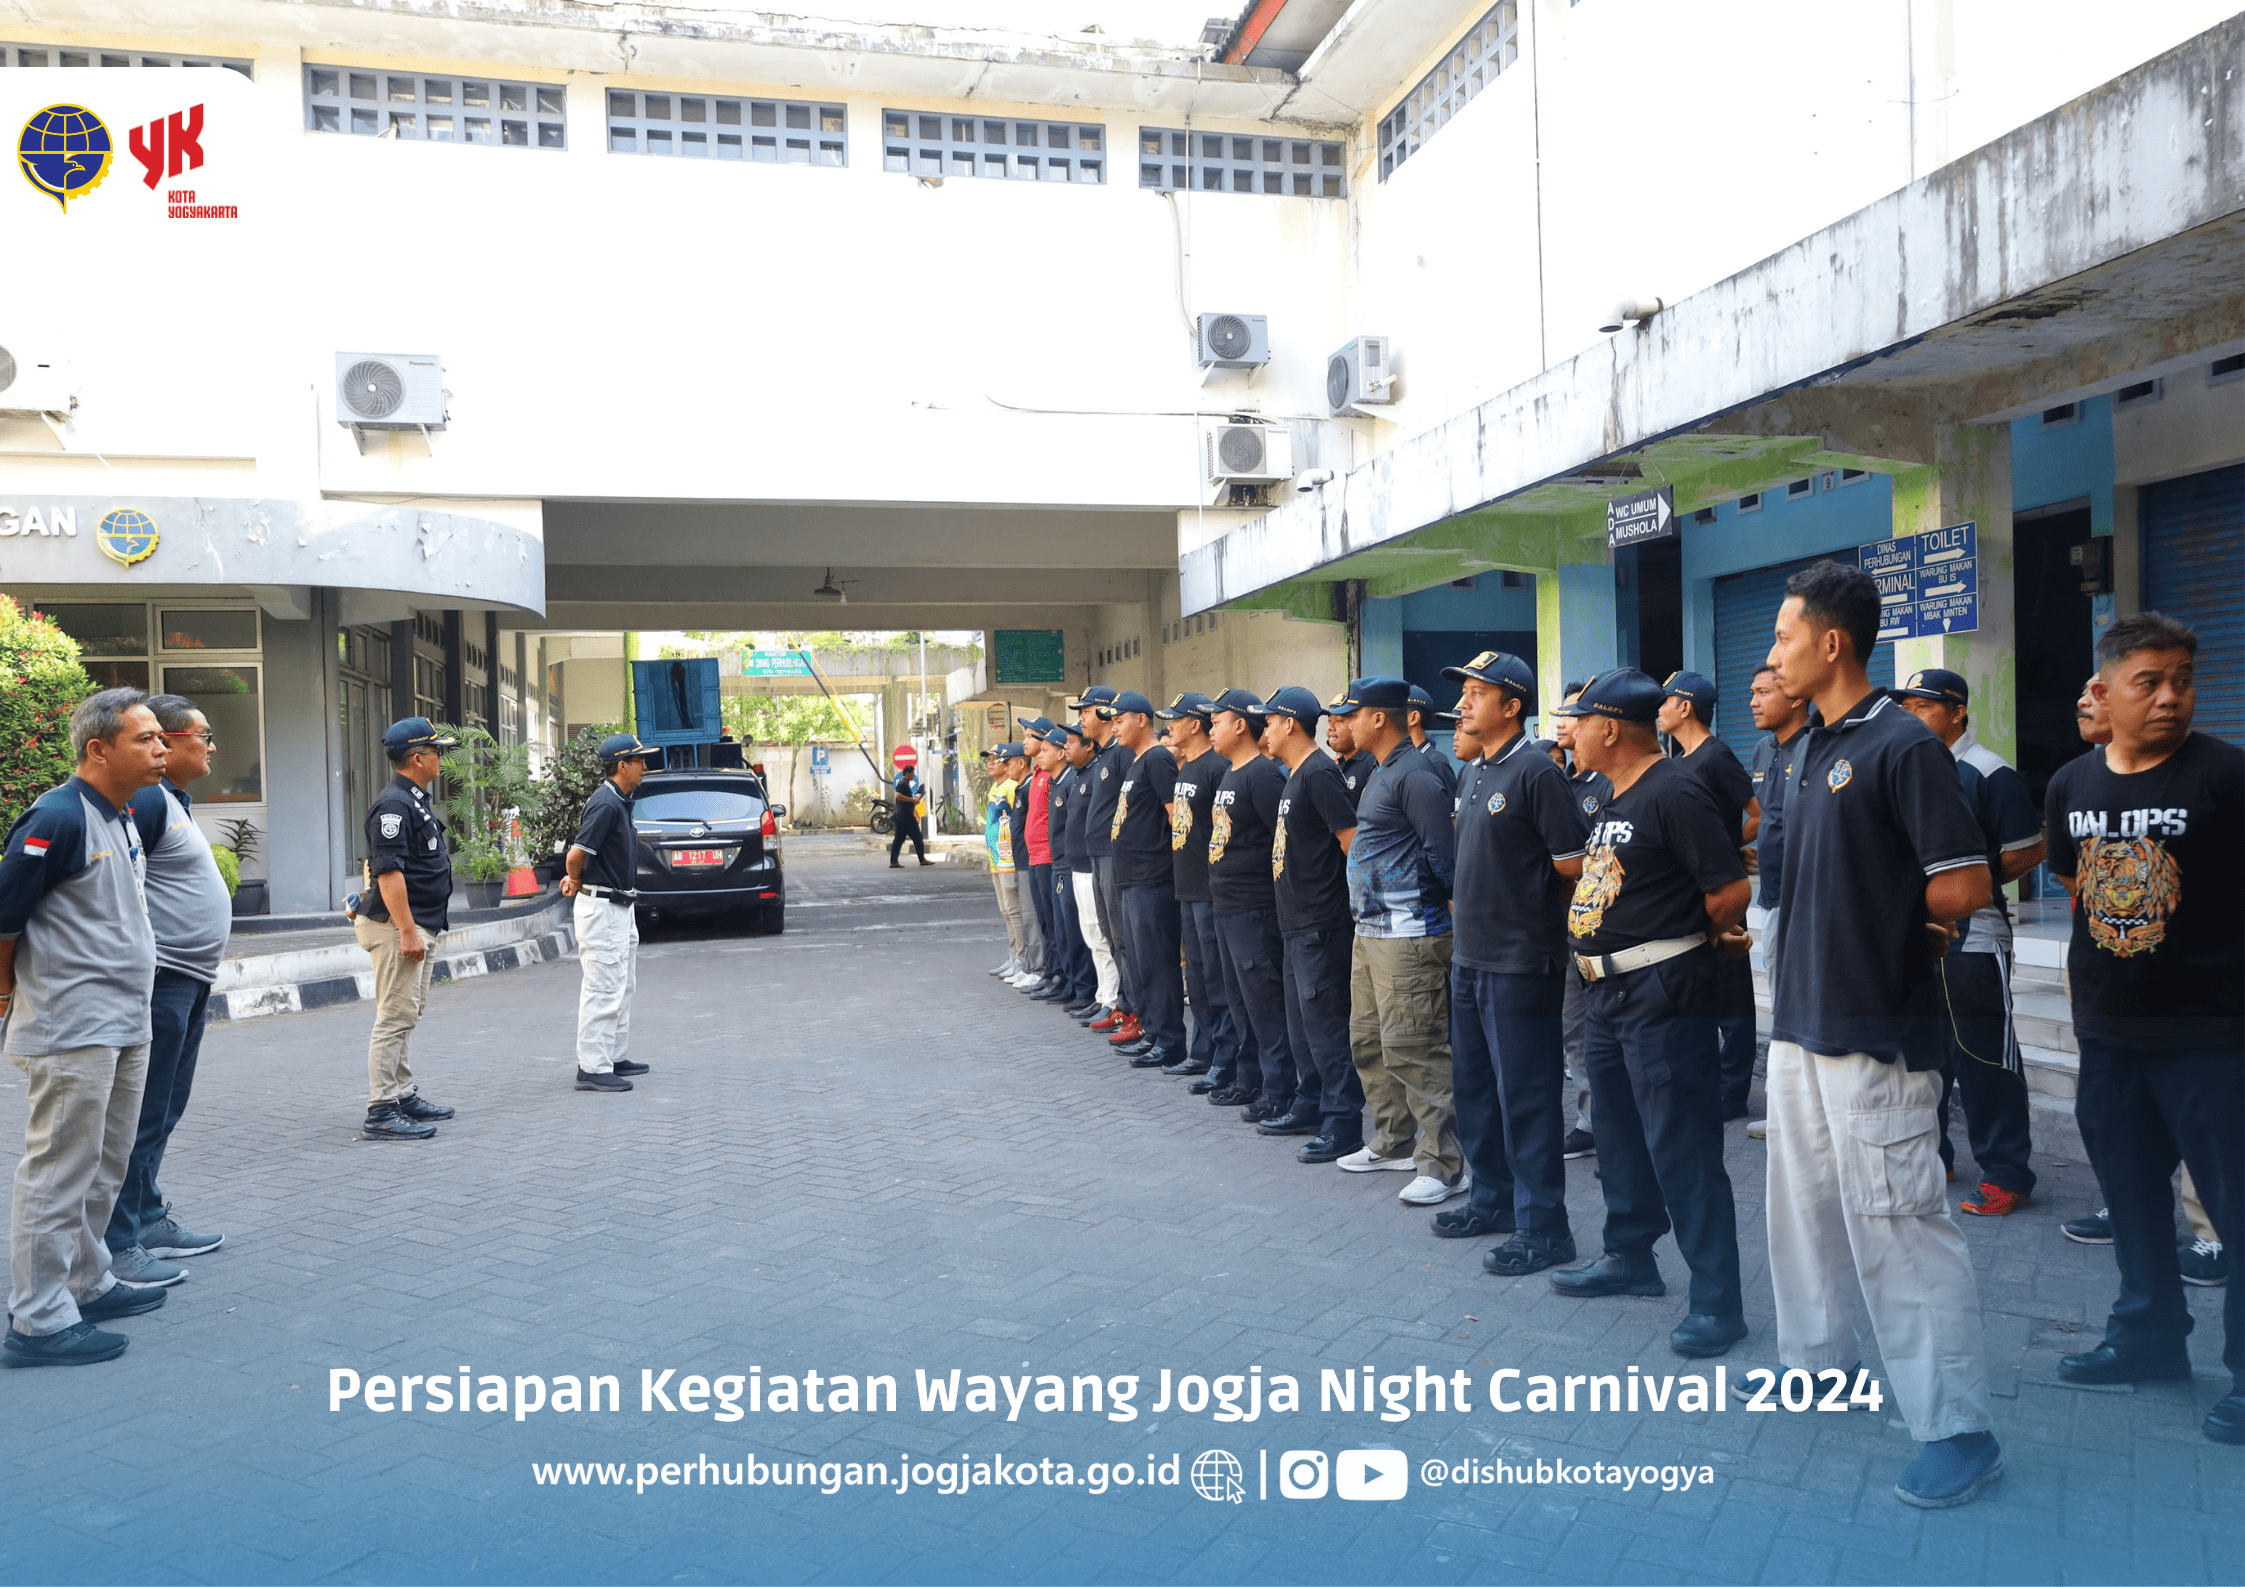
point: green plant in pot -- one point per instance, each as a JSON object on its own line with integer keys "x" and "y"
{"x": 487, "y": 794}
{"x": 569, "y": 780}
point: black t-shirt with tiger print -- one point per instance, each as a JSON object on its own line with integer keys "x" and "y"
{"x": 1192, "y": 802}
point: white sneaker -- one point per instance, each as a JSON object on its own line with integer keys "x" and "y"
{"x": 1428, "y": 1191}
{"x": 1006, "y": 969}
{"x": 1368, "y": 1161}
{"x": 1027, "y": 979}
{"x": 1757, "y": 1129}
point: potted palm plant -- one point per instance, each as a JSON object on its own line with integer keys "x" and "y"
{"x": 250, "y": 893}
{"x": 488, "y": 797}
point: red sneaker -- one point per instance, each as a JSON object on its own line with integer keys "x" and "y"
{"x": 1125, "y": 1033}
{"x": 1994, "y": 1202}
{"x": 1109, "y": 1020}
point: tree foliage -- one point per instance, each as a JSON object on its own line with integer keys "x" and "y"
{"x": 41, "y": 683}
{"x": 570, "y": 778}
{"x": 487, "y": 787}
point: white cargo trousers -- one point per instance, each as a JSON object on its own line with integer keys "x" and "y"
{"x": 1859, "y": 1221}
{"x": 608, "y": 953}
{"x": 1102, "y": 955}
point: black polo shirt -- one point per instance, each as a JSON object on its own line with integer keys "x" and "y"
{"x": 1516, "y": 815}
{"x": 1655, "y": 852}
{"x": 1192, "y": 804}
{"x": 1080, "y": 779}
{"x": 1309, "y": 872}
{"x": 1141, "y": 821}
{"x": 1444, "y": 767}
{"x": 1057, "y": 800}
{"x": 1241, "y": 825}
{"x": 1017, "y": 821}
{"x": 1356, "y": 771}
{"x": 610, "y": 842}
{"x": 1592, "y": 790}
{"x": 1104, "y": 774}
{"x": 2157, "y": 959}
{"x": 403, "y": 834}
{"x": 1717, "y": 767}
{"x": 1874, "y": 810}
{"x": 1773, "y": 770}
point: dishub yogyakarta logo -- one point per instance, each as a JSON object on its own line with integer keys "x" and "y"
{"x": 65, "y": 150}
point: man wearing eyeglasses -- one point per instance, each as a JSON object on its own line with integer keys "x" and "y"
{"x": 192, "y": 915}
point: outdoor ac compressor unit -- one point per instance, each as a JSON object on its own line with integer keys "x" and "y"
{"x": 1234, "y": 341}
{"x": 29, "y": 385}
{"x": 1358, "y": 375}
{"x": 389, "y": 391}
{"x": 1249, "y": 454}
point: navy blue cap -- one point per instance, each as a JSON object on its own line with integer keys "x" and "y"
{"x": 1381, "y": 694}
{"x": 1243, "y": 702}
{"x": 1447, "y": 718}
{"x": 625, "y": 746}
{"x": 1064, "y": 731}
{"x": 1420, "y": 698}
{"x": 1501, "y": 668}
{"x": 1035, "y": 726}
{"x": 1128, "y": 700}
{"x": 1295, "y": 704}
{"x": 1696, "y": 687}
{"x": 1192, "y": 704}
{"x": 1097, "y": 694}
{"x": 1624, "y": 694}
{"x": 1937, "y": 683}
{"x": 416, "y": 732}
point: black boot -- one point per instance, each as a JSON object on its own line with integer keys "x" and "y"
{"x": 419, "y": 1109}
{"x": 385, "y": 1123}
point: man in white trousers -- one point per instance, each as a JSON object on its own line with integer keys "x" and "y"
{"x": 603, "y": 879}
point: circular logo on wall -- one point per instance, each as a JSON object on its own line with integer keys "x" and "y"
{"x": 64, "y": 151}
{"x": 127, "y": 535}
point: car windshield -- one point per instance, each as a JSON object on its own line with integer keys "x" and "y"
{"x": 696, "y": 804}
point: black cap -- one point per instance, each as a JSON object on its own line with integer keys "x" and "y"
{"x": 1128, "y": 700}
{"x": 1242, "y": 702}
{"x": 1506, "y": 671}
{"x": 418, "y": 732}
{"x": 1624, "y": 694}
{"x": 1197, "y": 706}
{"x": 1295, "y": 704}
{"x": 1097, "y": 694}
{"x": 1696, "y": 687}
{"x": 1937, "y": 683}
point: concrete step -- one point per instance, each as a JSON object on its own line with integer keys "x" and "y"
{"x": 2043, "y": 1018}
{"x": 2051, "y": 1072}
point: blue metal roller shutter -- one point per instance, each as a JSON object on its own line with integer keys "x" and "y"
{"x": 2194, "y": 571}
{"x": 1745, "y": 608}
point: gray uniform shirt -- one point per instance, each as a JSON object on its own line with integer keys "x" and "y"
{"x": 70, "y": 897}
{"x": 188, "y": 905}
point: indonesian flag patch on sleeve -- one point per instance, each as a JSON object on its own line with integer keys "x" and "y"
{"x": 35, "y": 847}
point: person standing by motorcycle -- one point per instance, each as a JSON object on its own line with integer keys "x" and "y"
{"x": 909, "y": 791}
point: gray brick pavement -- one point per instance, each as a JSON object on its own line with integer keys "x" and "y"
{"x": 859, "y": 1153}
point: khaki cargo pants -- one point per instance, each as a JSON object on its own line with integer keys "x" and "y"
{"x": 83, "y": 1111}
{"x": 401, "y": 991}
{"x": 1399, "y": 1040}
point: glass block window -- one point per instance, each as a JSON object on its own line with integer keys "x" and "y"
{"x": 432, "y": 109}
{"x": 923, "y": 143}
{"x": 1491, "y": 46}
{"x": 702, "y": 127}
{"x": 1231, "y": 162}
{"x": 62, "y": 55}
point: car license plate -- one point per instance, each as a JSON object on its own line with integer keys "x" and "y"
{"x": 683, "y": 858}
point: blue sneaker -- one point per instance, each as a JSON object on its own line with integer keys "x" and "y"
{"x": 1951, "y": 1471}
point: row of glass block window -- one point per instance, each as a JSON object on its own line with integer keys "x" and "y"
{"x": 924, "y": 144}
{"x": 1222, "y": 162}
{"x": 1492, "y": 45}
{"x": 54, "y": 55}
{"x": 697, "y": 126}
{"x": 434, "y": 109}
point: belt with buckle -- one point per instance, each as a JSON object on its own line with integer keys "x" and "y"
{"x": 1598, "y": 966}
{"x": 614, "y": 895}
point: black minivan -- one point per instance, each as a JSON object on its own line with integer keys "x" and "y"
{"x": 709, "y": 844}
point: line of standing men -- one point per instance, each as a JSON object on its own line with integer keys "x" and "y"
{"x": 1433, "y": 931}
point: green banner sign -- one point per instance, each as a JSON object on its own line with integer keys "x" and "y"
{"x": 775, "y": 664}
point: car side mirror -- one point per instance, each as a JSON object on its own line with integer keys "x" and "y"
{"x": 777, "y": 811}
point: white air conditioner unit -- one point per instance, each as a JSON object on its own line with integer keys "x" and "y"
{"x": 1234, "y": 341}
{"x": 1360, "y": 376}
{"x": 389, "y": 391}
{"x": 32, "y": 384}
{"x": 1244, "y": 454}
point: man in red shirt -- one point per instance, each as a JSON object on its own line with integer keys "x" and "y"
{"x": 1037, "y": 831}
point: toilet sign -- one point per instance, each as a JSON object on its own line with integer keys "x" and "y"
{"x": 1929, "y": 584}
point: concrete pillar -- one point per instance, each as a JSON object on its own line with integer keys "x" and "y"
{"x": 1969, "y": 481}
{"x": 1575, "y": 629}
{"x": 303, "y": 761}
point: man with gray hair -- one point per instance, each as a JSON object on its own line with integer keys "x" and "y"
{"x": 192, "y": 915}
{"x": 77, "y": 963}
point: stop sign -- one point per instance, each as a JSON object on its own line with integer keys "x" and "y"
{"x": 906, "y": 755}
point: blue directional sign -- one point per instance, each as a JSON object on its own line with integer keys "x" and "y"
{"x": 1929, "y": 584}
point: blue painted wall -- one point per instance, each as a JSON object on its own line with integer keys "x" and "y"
{"x": 2065, "y": 463}
{"x": 1443, "y": 609}
{"x": 1831, "y": 516}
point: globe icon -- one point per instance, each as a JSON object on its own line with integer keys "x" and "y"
{"x": 128, "y": 534}
{"x": 65, "y": 152}
{"x": 1217, "y": 1477}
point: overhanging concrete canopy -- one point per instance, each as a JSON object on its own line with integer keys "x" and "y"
{"x": 2097, "y": 240}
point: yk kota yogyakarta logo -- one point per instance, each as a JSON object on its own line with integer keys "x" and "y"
{"x": 65, "y": 150}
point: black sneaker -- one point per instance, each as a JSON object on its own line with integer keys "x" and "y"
{"x": 588, "y": 1081}
{"x": 1260, "y": 1110}
{"x": 122, "y": 1300}
{"x": 1234, "y": 1095}
{"x": 2203, "y": 1263}
{"x": 418, "y": 1108}
{"x": 385, "y": 1123}
{"x": 1289, "y": 1124}
{"x": 624, "y": 1066}
{"x": 1579, "y": 1143}
{"x": 1326, "y": 1147}
{"x": 1187, "y": 1065}
{"x": 1528, "y": 1253}
{"x": 1216, "y": 1081}
{"x": 78, "y": 1345}
{"x": 1473, "y": 1221}
{"x": 2096, "y": 1229}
